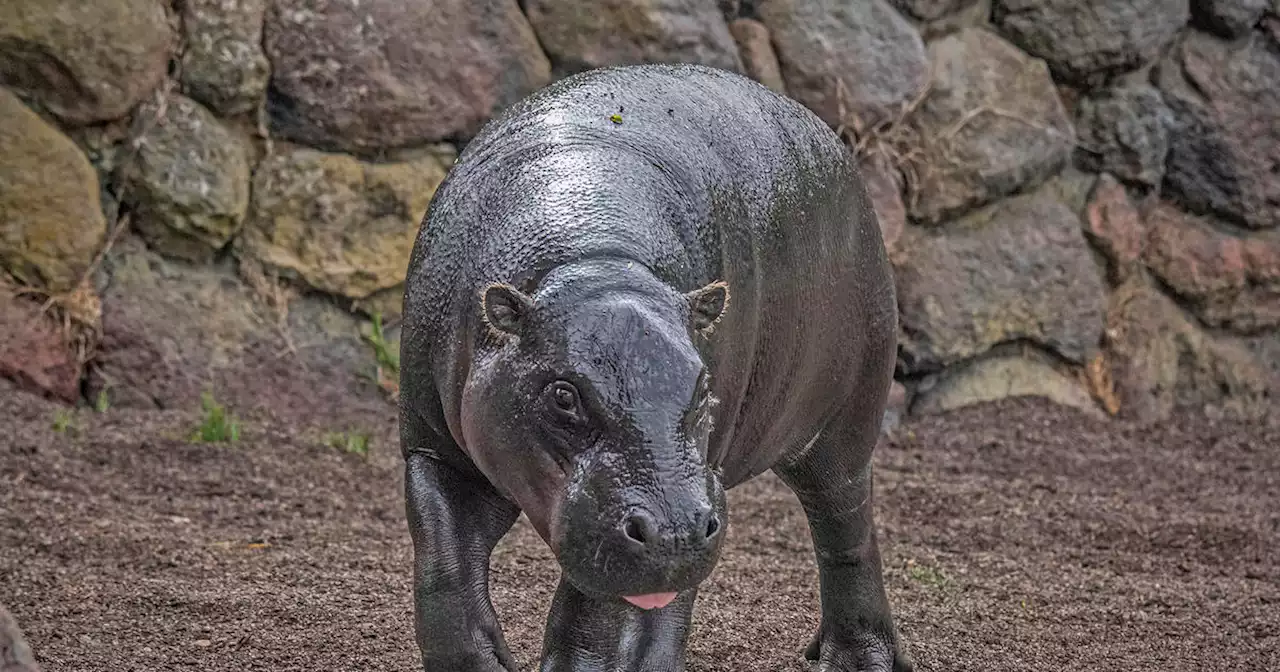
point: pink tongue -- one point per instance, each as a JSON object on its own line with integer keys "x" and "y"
{"x": 653, "y": 601}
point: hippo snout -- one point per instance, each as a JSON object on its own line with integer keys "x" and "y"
{"x": 663, "y": 544}
{"x": 644, "y": 535}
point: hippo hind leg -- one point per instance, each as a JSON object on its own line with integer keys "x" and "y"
{"x": 832, "y": 480}
{"x": 587, "y": 634}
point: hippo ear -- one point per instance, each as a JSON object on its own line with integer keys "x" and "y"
{"x": 707, "y": 304}
{"x": 505, "y": 308}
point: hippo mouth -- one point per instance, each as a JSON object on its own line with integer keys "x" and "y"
{"x": 651, "y": 601}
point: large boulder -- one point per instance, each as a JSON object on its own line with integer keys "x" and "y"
{"x": 1229, "y": 280}
{"x": 51, "y": 221}
{"x": 1225, "y": 143}
{"x": 1159, "y": 361}
{"x": 85, "y": 62}
{"x": 852, "y": 63}
{"x": 1020, "y": 270}
{"x": 1124, "y": 130}
{"x": 621, "y": 32}
{"x": 364, "y": 76}
{"x": 1087, "y": 39}
{"x": 759, "y": 60}
{"x": 223, "y": 65}
{"x": 338, "y": 224}
{"x": 992, "y": 124}
{"x": 189, "y": 183}
{"x": 1229, "y": 18}
{"x": 15, "y": 654}
{"x": 1001, "y": 377}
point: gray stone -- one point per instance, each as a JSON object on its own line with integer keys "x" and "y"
{"x": 1082, "y": 39}
{"x": 1225, "y": 142}
{"x": 625, "y": 32}
{"x": 1265, "y": 349}
{"x": 172, "y": 330}
{"x": 15, "y": 654}
{"x": 930, "y": 10}
{"x": 85, "y": 62}
{"x": 1020, "y": 270}
{"x": 1124, "y": 130}
{"x": 1229, "y": 18}
{"x": 376, "y": 74}
{"x": 189, "y": 185}
{"x": 991, "y": 125}
{"x": 855, "y": 64}
{"x": 223, "y": 65}
{"x": 1002, "y": 377}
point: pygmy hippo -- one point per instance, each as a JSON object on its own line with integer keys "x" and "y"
{"x": 637, "y": 288}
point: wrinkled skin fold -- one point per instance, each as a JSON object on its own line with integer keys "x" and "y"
{"x": 639, "y": 288}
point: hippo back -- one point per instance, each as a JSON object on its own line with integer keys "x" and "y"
{"x": 701, "y": 175}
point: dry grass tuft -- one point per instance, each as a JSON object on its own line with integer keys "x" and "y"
{"x": 896, "y": 139}
{"x": 1097, "y": 378}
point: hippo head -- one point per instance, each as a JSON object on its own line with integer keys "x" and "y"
{"x": 593, "y": 412}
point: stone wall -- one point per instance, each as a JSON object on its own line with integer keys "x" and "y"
{"x": 1081, "y": 197}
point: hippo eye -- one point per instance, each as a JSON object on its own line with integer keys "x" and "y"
{"x": 564, "y": 399}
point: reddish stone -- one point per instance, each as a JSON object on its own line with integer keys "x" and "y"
{"x": 1115, "y": 226}
{"x": 885, "y": 189}
{"x": 758, "y": 57}
{"x": 34, "y": 353}
{"x": 896, "y": 408}
{"x": 1160, "y": 360}
{"x": 1230, "y": 280}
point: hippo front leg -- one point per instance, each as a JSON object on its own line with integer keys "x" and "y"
{"x": 586, "y": 634}
{"x": 832, "y": 480}
{"x": 455, "y": 522}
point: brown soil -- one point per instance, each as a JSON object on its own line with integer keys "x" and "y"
{"x": 1017, "y": 536}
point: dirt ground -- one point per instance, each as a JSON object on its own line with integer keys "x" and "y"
{"x": 1017, "y": 536}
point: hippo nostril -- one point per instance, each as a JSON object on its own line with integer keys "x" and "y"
{"x": 637, "y": 528}
{"x": 713, "y": 526}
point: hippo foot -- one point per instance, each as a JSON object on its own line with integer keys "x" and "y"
{"x": 453, "y": 641}
{"x": 454, "y": 621}
{"x": 490, "y": 661}
{"x": 856, "y": 652}
{"x": 587, "y": 634}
